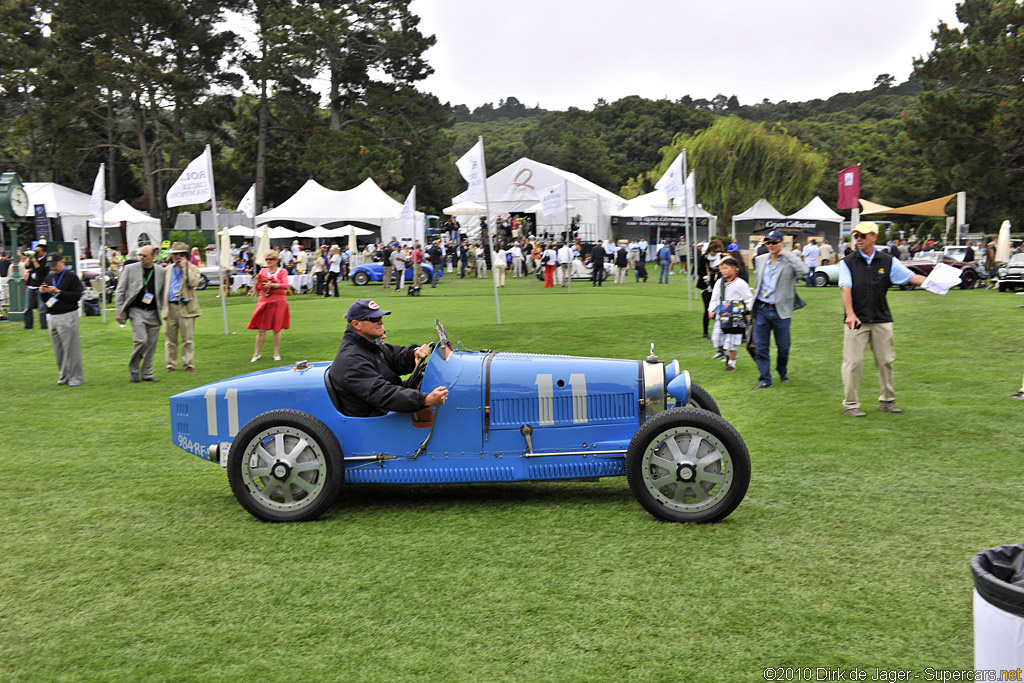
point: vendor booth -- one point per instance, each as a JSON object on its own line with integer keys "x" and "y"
{"x": 650, "y": 216}
{"x": 139, "y": 229}
{"x": 514, "y": 189}
{"x": 68, "y": 209}
{"x": 313, "y": 204}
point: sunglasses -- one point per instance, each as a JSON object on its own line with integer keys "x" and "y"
{"x": 371, "y": 320}
{"x": 860, "y": 236}
{"x": 771, "y": 242}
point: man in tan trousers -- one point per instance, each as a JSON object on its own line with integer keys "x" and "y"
{"x": 180, "y": 308}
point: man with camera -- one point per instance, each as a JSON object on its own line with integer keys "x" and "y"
{"x": 180, "y": 308}
{"x": 36, "y": 271}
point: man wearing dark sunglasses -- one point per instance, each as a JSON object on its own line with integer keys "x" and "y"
{"x": 864, "y": 278}
{"x": 776, "y": 274}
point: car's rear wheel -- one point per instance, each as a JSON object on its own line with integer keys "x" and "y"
{"x": 968, "y": 279}
{"x": 820, "y": 280}
{"x": 360, "y": 278}
{"x": 285, "y": 466}
{"x": 687, "y": 465}
{"x": 700, "y": 398}
{"x": 1002, "y": 287}
{"x": 203, "y": 282}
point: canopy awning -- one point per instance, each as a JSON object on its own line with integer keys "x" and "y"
{"x": 932, "y": 207}
{"x": 466, "y": 208}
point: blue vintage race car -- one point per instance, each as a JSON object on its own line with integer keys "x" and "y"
{"x": 508, "y": 417}
{"x": 365, "y": 273}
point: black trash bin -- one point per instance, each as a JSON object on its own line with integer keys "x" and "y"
{"x": 999, "y": 607}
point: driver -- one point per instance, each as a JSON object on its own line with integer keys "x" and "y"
{"x": 365, "y": 373}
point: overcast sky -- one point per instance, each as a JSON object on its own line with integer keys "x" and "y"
{"x": 562, "y": 53}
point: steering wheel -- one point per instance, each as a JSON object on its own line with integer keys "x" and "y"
{"x": 417, "y": 374}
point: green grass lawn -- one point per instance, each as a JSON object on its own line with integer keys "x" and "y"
{"x": 123, "y": 557}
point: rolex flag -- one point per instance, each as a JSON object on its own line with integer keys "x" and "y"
{"x": 194, "y": 185}
{"x": 849, "y": 188}
{"x": 471, "y": 167}
{"x": 409, "y": 208}
{"x": 99, "y": 195}
{"x": 248, "y": 203}
{"x": 672, "y": 182}
{"x": 552, "y": 199}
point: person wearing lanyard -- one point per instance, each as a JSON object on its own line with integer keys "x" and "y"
{"x": 137, "y": 299}
{"x": 61, "y": 292}
{"x": 776, "y": 299}
{"x": 180, "y": 309}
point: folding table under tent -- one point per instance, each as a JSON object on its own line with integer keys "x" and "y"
{"x": 313, "y": 204}
{"x": 514, "y": 189}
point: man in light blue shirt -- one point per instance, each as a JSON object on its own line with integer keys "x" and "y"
{"x": 811, "y": 252}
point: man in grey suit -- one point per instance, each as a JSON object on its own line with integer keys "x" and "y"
{"x": 775, "y": 299}
{"x": 138, "y": 298}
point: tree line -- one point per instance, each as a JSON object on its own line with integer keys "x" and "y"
{"x": 328, "y": 90}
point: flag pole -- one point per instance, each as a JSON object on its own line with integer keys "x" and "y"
{"x": 490, "y": 231}
{"x": 103, "y": 248}
{"x": 568, "y": 234}
{"x": 220, "y": 261}
{"x": 686, "y": 231}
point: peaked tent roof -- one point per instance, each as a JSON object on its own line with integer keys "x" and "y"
{"x": 656, "y": 204}
{"x": 123, "y": 211}
{"x": 817, "y": 210}
{"x": 60, "y": 200}
{"x": 314, "y": 204}
{"x": 522, "y": 179}
{"x": 761, "y": 209}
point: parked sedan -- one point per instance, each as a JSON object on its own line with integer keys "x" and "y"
{"x": 925, "y": 262}
{"x": 1011, "y": 276}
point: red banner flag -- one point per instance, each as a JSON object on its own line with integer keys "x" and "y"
{"x": 849, "y": 188}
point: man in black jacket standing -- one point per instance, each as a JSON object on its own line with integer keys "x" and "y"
{"x": 366, "y": 373}
{"x": 61, "y": 292}
{"x": 436, "y": 261}
{"x": 597, "y": 256}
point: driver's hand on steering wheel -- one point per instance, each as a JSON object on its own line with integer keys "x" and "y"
{"x": 437, "y": 397}
{"x": 422, "y": 352}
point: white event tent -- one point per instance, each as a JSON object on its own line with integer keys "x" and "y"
{"x": 640, "y": 214}
{"x": 70, "y": 206}
{"x": 142, "y": 229}
{"x": 752, "y": 222}
{"x": 819, "y": 218}
{"x": 313, "y": 204}
{"x": 514, "y": 188}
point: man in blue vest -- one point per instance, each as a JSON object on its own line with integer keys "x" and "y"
{"x": 864, "y": 278}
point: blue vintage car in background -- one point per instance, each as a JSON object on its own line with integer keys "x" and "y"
{"x": 509, "y": 417}
{"x": 365, "y": 273}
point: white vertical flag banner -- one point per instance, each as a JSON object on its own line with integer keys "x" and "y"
{"x": 672, "y": 182}
{"x": 409, "y": 208}
{"x": 471, "y": 167}
{"x": 552, "y": 199}
{"x": 99, "y": 195}
{"x": 194, "y": 185}
{"x": 690, "y": 193}
{"x": 248, "y": 203}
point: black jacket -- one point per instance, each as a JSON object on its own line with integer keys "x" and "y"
{"x": 436, "y": 259}
{"x": 70, "y": 291}
{"x": 870, "y": 284}
{"x": 598, "y": 254}
{"x": 365, "y": 377}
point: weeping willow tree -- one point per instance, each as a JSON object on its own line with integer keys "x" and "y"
{"x": 739, "y": 162}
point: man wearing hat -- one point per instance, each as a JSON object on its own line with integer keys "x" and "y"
{"x": 138, "y": 298}
{"x": 775, "y": 299}
{"x": 60, "y": 293}
{"x": 179, "y": 308}
{"x": 36, "y": 271}
{"x": 366, "y": 373}
{"x": 864, "y": 278}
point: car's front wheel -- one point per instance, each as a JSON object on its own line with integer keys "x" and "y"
{"x": 285, "y": 466}
{"x": 687, "y": 465}
{"x": 700, "y": 398}
{"x": 203, "y": 282}
{"x": 360, "y": 278}
{"x": 821, "y": 280}
{"x": 968, "y": 279}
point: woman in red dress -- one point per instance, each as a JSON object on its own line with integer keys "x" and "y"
{"x": 271, "y": 312}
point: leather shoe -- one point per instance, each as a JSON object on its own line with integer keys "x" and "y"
{"x": 133, "y": 378}
{"x": 889, "y": 407}
{"x": 150, "y": 379}
{"x": 784, "y": 379}
{"x": 190, "y": 368}
{"x": 169, "y": 370}
{"x": 761, "y": 385}
{"x": 855, "y": 412}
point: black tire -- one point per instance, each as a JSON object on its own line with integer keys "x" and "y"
{"x": 360, "y": 278}
{"x": 657, "y": 482}
{"x": 203, "y": 282}
{"x": 266, "y": 496}
{"x": 700, "y": 398}
{"x": 1002, "y": 287}
{"x": 968, "y": 279}
{"x": 820, "y": 280}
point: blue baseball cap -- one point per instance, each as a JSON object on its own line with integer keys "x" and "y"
{"x": 364, "y": 309}
{"x": 775, "y": 235}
